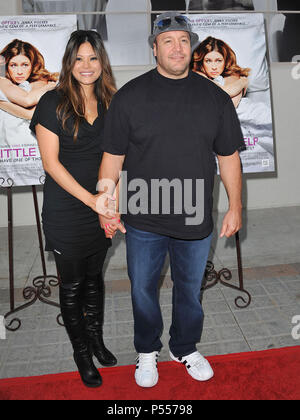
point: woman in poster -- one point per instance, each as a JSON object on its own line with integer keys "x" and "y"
{"x": 68, "y": 123}
{"x": 25, "y": 82}
{"x": 26, "y": 77}
{"x": 215, "y": 60}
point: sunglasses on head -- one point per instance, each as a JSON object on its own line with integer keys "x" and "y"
{"x": 166, "y": 22}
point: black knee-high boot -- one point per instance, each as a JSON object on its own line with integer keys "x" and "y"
{"x": 71, "y": 310}
{"x": 94, "y": 313}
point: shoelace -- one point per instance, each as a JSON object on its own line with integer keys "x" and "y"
{"x": 147, "y": 360}
{"x": 196, "y": 360}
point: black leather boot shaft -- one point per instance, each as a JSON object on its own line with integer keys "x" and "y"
{"x": 72, "y": 314}
{"x": 94, "y": 314}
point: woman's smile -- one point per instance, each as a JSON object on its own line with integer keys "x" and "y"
{"x": 87, "y": 68}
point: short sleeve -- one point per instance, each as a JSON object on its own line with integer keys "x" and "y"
{"x": 117, "y": 128}
{"x": 230, "y": 137}
{"x": 45, "y": 113}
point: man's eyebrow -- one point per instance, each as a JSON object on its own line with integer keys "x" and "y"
{"x": 182, "y": 36}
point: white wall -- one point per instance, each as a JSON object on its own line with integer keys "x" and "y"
{"x": 260, "y": 191}
{"x": 10, "y": 7}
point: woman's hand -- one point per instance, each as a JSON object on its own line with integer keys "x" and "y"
{"x": 43, "y": 86}
{"x": 245, "y": 79}
{"x": 50, "y": 85}
{"x": 245, "y": 82}
{"x": 104, "y": 204}
{"x": 110, "y": 226}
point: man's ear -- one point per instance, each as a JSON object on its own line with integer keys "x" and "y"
{"x": 155, "y": 49}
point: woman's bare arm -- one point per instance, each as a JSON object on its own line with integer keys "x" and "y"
{"x": 16, "y": 110}
{"x": 17, "y": 95}
{"x": 235, "y": 86}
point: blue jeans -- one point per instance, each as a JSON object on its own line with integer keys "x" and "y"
{"x": 146, "y": 253}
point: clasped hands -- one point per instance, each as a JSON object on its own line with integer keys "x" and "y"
{"x": 109, "y": 218}
{"x": 105, "y": 206}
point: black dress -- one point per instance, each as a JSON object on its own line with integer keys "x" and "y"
{"x": 71, "y": 228}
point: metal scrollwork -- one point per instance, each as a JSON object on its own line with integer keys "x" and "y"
{"x": 9, "y": 182}
{"x": 40, "y": 289}
{"x": 59, "y": 320}
{"x": 211, "y": 276}
{"x": 9, "y": 326}
{"x": 227, "y": 275}
{"x": 246, "y": 303}
{"x": 224, "y": 276}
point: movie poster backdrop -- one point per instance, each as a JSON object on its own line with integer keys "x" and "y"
{"x": 244, "y": 33}
{"x": 41, "y": 41}
{"x": 245, "y": 39}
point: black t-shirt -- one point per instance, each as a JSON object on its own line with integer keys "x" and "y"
{"x": 169, "y": 129}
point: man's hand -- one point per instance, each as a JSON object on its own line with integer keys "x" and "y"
{"x": 231, "y": 175}
{"x": 232, "y": 223}
{"x": 104, "y": 204}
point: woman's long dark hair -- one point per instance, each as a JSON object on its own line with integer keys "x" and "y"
{"x": 72, "y": 101}
{"x": 38, "y": 71}
{"x": 213, "y": 44}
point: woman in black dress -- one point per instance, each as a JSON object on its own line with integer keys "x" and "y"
{"x": 68, "y": 122}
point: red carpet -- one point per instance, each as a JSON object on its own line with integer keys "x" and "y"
{"x": 265, "y": 375}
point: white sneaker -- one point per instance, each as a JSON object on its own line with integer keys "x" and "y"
{"x": 146, "y": 374}
{"x": 196, "y": 365}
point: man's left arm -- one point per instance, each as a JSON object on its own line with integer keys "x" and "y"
{"x": 231, "y": 175}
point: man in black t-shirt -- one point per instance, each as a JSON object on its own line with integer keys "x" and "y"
{"x": 162, "y": 131}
